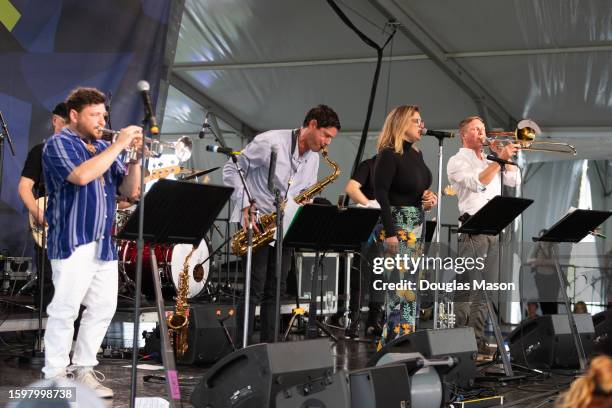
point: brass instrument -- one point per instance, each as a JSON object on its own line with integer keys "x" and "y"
{"x": 178, "y": 322}
{"x": 182, "y": 147}
{"x": 267, "y": 222}
{"x": 446, "y": 315}
{"x": 525, "y": 137}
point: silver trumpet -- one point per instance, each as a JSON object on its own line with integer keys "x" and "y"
{"x": 182, "y": 147}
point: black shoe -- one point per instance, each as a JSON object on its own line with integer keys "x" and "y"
{"x": 375, "y": 320}
{"x": 374, "y": 330}
{"x": 352, "y": 332}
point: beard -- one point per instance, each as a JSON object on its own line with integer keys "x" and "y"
{"x": 88, "y": 132}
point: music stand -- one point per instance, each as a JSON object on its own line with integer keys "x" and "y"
{"x": 491, "y": 219}
{"x": 328, "y": 228}
{"x": 176, "y": 212}
{"x": 573, "y": 227}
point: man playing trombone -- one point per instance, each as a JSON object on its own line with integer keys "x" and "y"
{"x": 476, "y": 181}
{"x": 82, "y": 176}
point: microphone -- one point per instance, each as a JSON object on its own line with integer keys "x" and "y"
{"x": 437, "y": 133}
{"x": 205, "y": 126}
{"x": 143, "y": 88}
{"x": 4, "y": 132}
{"x": 272, "y": 168}
{"x": 220, "y": 149}
{"x": 500, "y": 161}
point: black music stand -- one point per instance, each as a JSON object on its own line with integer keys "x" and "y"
{"x": 176, "y": 212}
{"x": 573, "y": 227}
{"x": 491, "y": 219}
{"x": 328, "y": 228}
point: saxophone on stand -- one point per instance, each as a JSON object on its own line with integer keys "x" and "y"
{"x": 178, "y": 322}
{"x": 267, "y": 222}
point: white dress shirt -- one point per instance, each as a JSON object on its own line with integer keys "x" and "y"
{"x": 463, "y": 170}
{"x": 293, "y": 174}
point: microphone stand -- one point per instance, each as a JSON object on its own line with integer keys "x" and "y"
{"x": 279, "y": 259}
{"x": 138, "y": 281}
{"x": 4, "y": 133}
{"x": 252, "y": 211}
{"x": 438, "y": 228}
{"x": 247, "y": 289}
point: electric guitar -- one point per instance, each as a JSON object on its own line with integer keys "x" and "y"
{"x": 38, "y": 231}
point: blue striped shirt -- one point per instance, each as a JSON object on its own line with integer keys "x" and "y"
{"x": 78, "y": 215}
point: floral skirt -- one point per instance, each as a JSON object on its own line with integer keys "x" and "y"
{"x": 401, "y": 305}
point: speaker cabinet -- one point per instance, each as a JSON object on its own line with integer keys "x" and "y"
{"x": 327, "y": 392}
{"x": 206, "y": 339}
{"x": 254, "y": 376}
{"x": 459, "y": 343}
{"x": 546, "y": 341}
{"x": 602, "y": 322}
{"x": 384, "y": 386}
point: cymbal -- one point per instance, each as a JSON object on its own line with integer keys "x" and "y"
{"x": 189, "y": 174}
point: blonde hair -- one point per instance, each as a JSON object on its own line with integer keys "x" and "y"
{"x": 593, "y": 390}
{"x": 395, "y": 123}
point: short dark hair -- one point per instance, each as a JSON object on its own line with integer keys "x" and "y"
{"x": 61, "y": 110}
{"x": 81, "y": 97}
{"x": 324, "y": 115}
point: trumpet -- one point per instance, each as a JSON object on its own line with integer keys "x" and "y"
{"x": 525, "y": 137}
{"x": 182, "y": 146}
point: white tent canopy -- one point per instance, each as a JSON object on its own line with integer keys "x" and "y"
{"x": 260, "y": 64}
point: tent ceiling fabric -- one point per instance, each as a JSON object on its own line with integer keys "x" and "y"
{"x": 546, "y": 60}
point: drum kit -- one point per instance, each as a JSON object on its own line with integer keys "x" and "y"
{"x": 170, "y": 258}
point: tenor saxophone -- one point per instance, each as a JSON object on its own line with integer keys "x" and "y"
{"x": 267, "y": 222}
{"x": 178, "y": 322}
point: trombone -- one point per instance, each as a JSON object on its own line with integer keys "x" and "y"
{"x": 525, "y": 136}
{"x": 182, "y": 147}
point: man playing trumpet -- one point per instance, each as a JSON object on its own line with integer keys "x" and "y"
{"x": 82, "y": 175}
{"x": 476, "y": 181}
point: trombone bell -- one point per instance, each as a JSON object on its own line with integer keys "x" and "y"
{"x": 525, "y": 137}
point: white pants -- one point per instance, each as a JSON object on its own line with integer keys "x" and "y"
{"x": 79, "y": 279}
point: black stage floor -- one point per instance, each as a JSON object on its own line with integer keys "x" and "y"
{"x": 533, "y": 391}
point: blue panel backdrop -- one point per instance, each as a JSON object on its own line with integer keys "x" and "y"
{"x": 55, "y": 46}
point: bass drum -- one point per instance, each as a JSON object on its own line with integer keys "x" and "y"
{"x": 128, "y": 254}
{"x": 170, "y": 263}
{"x": 198, "y": 266}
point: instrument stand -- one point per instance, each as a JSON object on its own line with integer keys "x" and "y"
{"x": 178, "y": 212}
{"x": 573, "y": 227}
{"x": 328, "y": 228}
{"x": 491, "y": 219}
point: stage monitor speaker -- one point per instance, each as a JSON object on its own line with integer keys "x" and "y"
{"x": 602, "y": 323}
{"x": 546, "y": 341}
{"x": 327, "y": 392}
{"x": 383, "y": 386}
{"x": 207, "y": 340}
{"x": 253, "y": 376}
{"x": 459, "y": 343}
